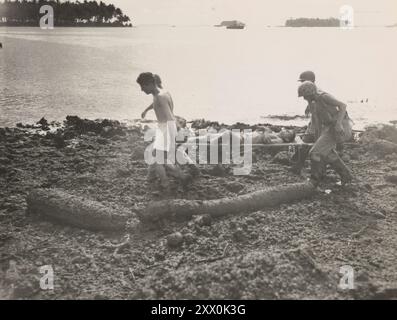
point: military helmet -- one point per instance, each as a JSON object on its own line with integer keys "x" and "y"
{"x": 307, "y": 76}
{"x": 307, "y": 88}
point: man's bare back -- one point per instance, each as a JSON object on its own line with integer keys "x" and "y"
{"x": 163, "y": 107}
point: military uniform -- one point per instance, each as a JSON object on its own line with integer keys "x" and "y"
{"x": 323, "y": 152}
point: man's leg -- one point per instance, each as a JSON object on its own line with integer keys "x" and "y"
{"x": 176, "y": 172}
{"x": 193, "y": 169}
{"x": 161, "y": 173}
{"x": 159, "y": 167}
{"x": 151, "y": 177}
{"x": 319, "y": 153}
{"x": 340, "y": 167}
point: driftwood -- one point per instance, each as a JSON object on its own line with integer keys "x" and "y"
{"x": 87, "y": 214}
{"x": 185, "y": 209}
{"x": 77, "y": 211}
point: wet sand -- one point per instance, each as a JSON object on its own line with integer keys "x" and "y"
{"x": 292, "y": 251}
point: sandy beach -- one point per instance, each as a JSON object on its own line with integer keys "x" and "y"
{"x": 291, "y": 251}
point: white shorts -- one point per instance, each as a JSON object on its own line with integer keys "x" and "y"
{"x": 165, "y": 138}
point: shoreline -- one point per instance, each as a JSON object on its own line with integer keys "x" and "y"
{"x": 279, "y": 121}
{"x": 291, "y": 251}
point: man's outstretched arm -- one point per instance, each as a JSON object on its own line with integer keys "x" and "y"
{"x": 143, "y": 115}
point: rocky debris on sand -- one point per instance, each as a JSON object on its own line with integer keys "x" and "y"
{"x": 204, "y": 124}
{"x": 44, "y": 124}
{"x": 239, "y": 235}
{"x": 247, "y": 254}
{"x": 234, "y": 187}
{"x": 391, "y": 178}
{"x": 106, "y": 128}
{"x": 218, "y": 171}
{"x": 286, "y": 117}
{"x": 354, "y": 155}
{"x": 189, "y": 238}
{"x": 256, "y": 275}
{"x": 3, "y": 170}
{"x": 204, "y": 220}
{"x": 180, "y": 122}
{"x": 138, "y": 152}
{"x": 75, "y": 126}
{"x": 382, "y": 147}
{"x": 214, "y": 125}
{"x": 382, "y": 132}
{"x": 380, "y": 140}
{"x": 345, "y": 158}
{"x": 175, "y": 239}
{"x": 58, "y": 137}
{"x": 282, "y": 158}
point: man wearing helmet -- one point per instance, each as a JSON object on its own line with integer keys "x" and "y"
{"x": 335, "y": 127}
{"x": 313, "y": 128}
{"x": 310, "y": 134}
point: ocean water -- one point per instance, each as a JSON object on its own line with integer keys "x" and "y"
{"x": 212, "y": 73}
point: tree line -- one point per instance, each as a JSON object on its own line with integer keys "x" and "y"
{"x": 312, "y": 22}
{"x": 87, "y": 13}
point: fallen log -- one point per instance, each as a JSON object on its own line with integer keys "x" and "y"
{"x": 185, "y": 209}
{"x": 77, "y": 211}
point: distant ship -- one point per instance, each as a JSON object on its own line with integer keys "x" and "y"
{"x": 234, "y": 24}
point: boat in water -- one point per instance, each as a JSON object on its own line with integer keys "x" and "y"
{"x": 237, "y": 26}
{"x": 234, "y": 24}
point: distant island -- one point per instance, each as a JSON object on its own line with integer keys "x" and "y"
{"x": 232, "y": 24}
{"x": 66, "y": 14}
{"x": 312, "y": 22}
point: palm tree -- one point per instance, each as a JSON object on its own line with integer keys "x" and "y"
{"x": 26, "y": 12}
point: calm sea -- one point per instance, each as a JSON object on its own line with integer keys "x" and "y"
{"x": 212, "y": 73}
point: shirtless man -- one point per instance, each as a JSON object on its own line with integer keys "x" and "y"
{"x": 166, "y": 132}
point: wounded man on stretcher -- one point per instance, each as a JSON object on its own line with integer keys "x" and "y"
{"x": 258, "y": 137}
{"x": 231, "y": 146}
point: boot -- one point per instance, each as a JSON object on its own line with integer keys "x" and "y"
{"x": 317, "y": 172}
{"x": 343, "y": 171}
{"x": 152, "y": 176}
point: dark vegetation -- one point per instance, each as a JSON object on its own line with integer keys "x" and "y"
{"x": 66, "y": 14}
{"x": 312, "y": 22}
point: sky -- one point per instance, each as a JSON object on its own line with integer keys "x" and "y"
{"x": 253, "y": 12}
